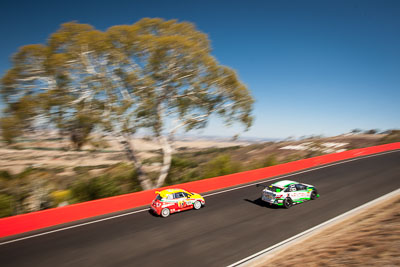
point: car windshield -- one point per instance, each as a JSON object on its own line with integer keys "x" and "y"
{"x": 158, "y": 197}
{"x": 274, "y": 188}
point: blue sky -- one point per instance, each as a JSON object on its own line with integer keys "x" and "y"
{"x": 313, "y": 67}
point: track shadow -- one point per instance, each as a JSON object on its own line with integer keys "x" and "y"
{"x": 261, "y": 203}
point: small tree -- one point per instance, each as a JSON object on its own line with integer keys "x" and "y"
{"x": 356, "y": 131}
{"x": 372, "y": 131}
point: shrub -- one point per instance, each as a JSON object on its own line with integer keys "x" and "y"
{"x": 392, "y": 137}
{"x": 5, "y": 205}
{"x": 5, "y": 175}
{"x": 178, "y": 162}
{"x": 221, "y": 165}
{"x": 270, "y": 161}
{"x": 60, "y": 196}
{"x": 95, "y": 188}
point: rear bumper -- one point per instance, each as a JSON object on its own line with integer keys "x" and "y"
{"x": 155, "y": 210}
{"x": 274, "y": 201}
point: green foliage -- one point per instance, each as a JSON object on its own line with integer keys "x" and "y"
{"x": 18, "y": 116}
{"x": 5, "y": 175}
{"x": 178, "y": 162}
{"x": 182, "y": 170}
{"x": 221, "y": 165}
{"x": 125, "y": 176}
{"x": 292, "y": 157}
{"x": 148, "y": 161}
{"x": 5, "y": 205}
{"x": 372, "y": 131}
{"x": 10, "y": 129}
{"x": 60, "y": 196}
{"x": 95, "y": 188}
{"x": 392, "y": 137}
{"x": 118, "y": 179}
{"x": 356, "y": 130}
{"x": 80, "y": 128}
{"x": 271, "y": 160}
{"x": 25, "y": 173}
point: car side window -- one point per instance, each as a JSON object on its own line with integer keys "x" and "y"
{"x": 292, "y": 188}
{"x": 170, "y": 197}
{"x": 179, "y": 195}
{"x": 185, "y": 194}
{"x": 300, "y": 187}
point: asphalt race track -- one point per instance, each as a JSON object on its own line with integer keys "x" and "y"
{"x": 232, "y": 226}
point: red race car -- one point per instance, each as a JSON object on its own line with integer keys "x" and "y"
{"x": 175, "y": 200}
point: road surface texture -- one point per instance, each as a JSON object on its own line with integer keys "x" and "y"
{"x": 232, "y": 226}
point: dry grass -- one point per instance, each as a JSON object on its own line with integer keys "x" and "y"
{"x": 48, "y": 151}
{"x": 39, "y": 151}
{"x": 371, "y": 238}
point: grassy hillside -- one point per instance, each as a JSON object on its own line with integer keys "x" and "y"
{"x": 39, "y": 173}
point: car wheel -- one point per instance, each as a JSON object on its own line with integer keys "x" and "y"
{"x": 165, "y": 212}
{"x": 197, "y": 205}
{"x": 313, "y": 195}
{"x": 287, "y": 203}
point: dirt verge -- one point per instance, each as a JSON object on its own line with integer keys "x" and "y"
{"x": 371, "y": 237}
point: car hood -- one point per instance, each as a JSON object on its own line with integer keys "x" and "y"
{"x": 195, "y": 195}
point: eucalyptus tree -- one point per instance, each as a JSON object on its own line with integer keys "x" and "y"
{"x": 153, "y": 74}
{"x": 175, "y": 81}
{"x": 44, "y": 84}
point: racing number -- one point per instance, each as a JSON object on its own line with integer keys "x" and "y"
{"x": 179, "y": 198}
{"x": 181, "y": 203}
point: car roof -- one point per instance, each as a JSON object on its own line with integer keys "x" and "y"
{"x": 164, "y": 193}
{"x": 284, "y": 183}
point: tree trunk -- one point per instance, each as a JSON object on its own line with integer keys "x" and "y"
{"x": 144, "y": 181}
{"x": 167, "y": 151}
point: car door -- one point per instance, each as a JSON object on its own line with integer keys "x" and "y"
{"x": 302, "y": 192}
{"x": 293, "y": 194}
{"x": 188, "y": 200}
{"x": 180, "y": 199}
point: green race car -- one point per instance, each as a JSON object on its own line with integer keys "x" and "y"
{"x": 288, "y": 193}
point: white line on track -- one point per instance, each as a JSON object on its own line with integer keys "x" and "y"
{"x": 256, "y": 256}
{"x": 206, "y": 195}
{"x": 73, "y": 226}
{"x": 300, "y": 172}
